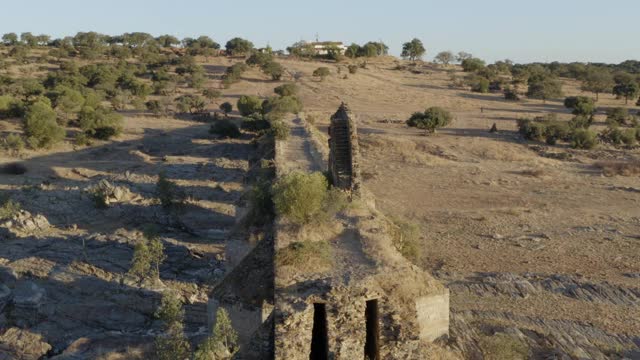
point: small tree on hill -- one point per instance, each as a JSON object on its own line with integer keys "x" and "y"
{"x": 598, "y": 81}
{"x": 413, "y": 50}
{"x": 40, "y": 126}
{"x": 445, "y": 57}
{"x": 249, "y": 104}
{"x": 223, "y": 339}
{"x": 211, "y": 94}
{"x": 172, "y": 345}
{"x": 239, "y": 46}
{"x": 430, "y": 120}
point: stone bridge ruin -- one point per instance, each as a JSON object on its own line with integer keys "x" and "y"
{"x": 374, "y": 304}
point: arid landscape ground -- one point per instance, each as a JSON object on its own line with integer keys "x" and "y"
{"x": 533, "y": 240}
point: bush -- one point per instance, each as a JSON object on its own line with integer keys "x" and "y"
{"x": 286, "y": 89}
{"x": 225, "y": 128}
{"x": 472, "y": 65}
{"x": 148, "y": 255}
{"x": 481, "y": 85}
{"x": 261, "y": 204}
{"x": 249, "y": 104}
{"x": 432, "y": 119}
{"x": 14, "y": 144}
{"x": 8, "y": 208}
{"x": 14, "y": 168}
{"x": 581, "y": 105}
{"x": 352, "y": 69}
{"x": 619, "y": 116}
{"x": 299, "y": 196}
{"x": 321, "y": 72}
{"x": 170, "y": 195}
{"x": 547, "y": 128}
{"x": 581, "y": 122}
{"x": 583, "y": 139}
{"x": 280, "y": 130}
{"x": 406, "y": 237}
{"x": 10, "y": 107}
{"x": 630, "y": 137}
{"x": 82, "y": 139}
{"x": 40, "y": 126}
{"x": 255, "y": 123}
{"x": 277, "y": 107}
{"x": 100, "y": 123}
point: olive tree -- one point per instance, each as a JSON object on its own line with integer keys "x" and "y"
{"x": 629, "y": 90}
{"x": 598, "y": 81}
{"x": 581, "y": 105}
{"x": 239, "y": 46}
{"x": 445, "y": 57}
{"x": 430, "y": 120}
{"x": 40, "y": 126}
{"x": 413, "y": 49}
{"x": 545, "y": 89}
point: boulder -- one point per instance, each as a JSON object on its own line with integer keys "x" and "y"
{"x": 112, "y": 193}
{"x": 25, "y": 223}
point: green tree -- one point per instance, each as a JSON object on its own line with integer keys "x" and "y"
{"x": 413, "y": 50}
{"x": 224, "y": 333}
{"x": 321, "y": 72}
{"x": 172, "y": 345}
{"x": 190, "y": 103}
{"x": 581, "y": 105}
{"x": 598, "y": 80}
{"x": 40, "y": 126}
{"x": 352, "y": 51}
{"x": 629, "y": 90}
{"x": 276, "y": 107}
{"x": 167, "y": 41}
{"x": 170, "y": 195}
{"x": 10, "y": 39}
{"x": 239, "y": 46}
{"x": 68, "y": 101}
{"x": 462, "y": 56}
{"x": 472, "y": 64}
{"x": 430, "y": 120}
{"x": 273, "y": 69}
{"x": 445, "y": 57}
{"x": 545, "y": 89}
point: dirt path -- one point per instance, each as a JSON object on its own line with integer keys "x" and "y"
{"x": 299, "y": 153}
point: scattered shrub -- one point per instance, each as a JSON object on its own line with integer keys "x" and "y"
{"x": 619, "y": 116}
{"x": 321, "y": 72}
{"x": 225, "y": 128}
{"x": 82, "y": 139}
{"x": 169, "y": 194}
{"x": 261, "y": 209}
{"x": 249, "y": 104}
{"x": 273, "y": 69}
{"x": 406, "y": 237}
{"x": 255, "y": 123}
{"x": 300, "y": 197}
{"x": 8, "y": 208}
{"x": 100, "y": 123}
{"x": 547, "y": 128}
{"x": 583, "y": 139}
{"x": 14, "y": 144}
{"x": 581, "y": 105}
{"x": 40, "y": 126}
{"x": 277, "y": 107}
{"x": 352, "y": 69}
{"x": 280, "y": 130}
{"x": 286, "y": 89}
{"x": 581, "y": 122}
{"x": 432, "y": 119}
{"x": 148, "y": 255}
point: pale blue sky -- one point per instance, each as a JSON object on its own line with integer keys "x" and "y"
{"x": 524, "y": 31}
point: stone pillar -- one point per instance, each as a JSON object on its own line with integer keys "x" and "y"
{"x": 344, "y": 152}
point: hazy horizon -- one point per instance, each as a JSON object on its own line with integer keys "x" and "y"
{"x": 542, "y": 32}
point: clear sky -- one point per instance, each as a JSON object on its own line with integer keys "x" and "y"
{"x": 523, "y": 31}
